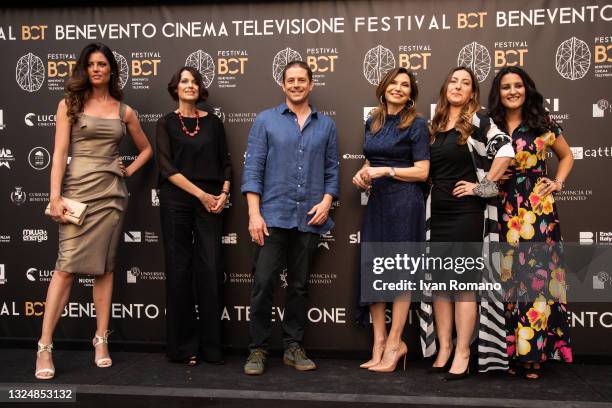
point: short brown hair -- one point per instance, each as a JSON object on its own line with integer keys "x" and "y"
{"x": 298, "y": 63}
{"x": 176, "y": 78}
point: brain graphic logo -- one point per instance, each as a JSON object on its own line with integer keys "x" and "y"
{"x": 123, "y": 69}
{"x": 203, "y": 63}
{"x": 376, "y": 63}
{"x": 30, "y": 73}
{"x": 573, "y": 59}
{"x": 603, "y": 104}
{"x": 280, "y": 60}
{"x": 476, "y": 57}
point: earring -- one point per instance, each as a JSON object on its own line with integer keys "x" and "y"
{"x": 410, "y": 104}
{"x": 382, "y": 100}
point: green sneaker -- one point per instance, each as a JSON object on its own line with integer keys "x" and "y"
{"x": 295, "y": 356}
{"x": 256, "y": 362}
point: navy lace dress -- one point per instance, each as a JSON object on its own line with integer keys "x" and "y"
{"x": 396, "y": 209}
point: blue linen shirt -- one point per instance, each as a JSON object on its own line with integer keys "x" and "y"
{"x": 291, "y": 169}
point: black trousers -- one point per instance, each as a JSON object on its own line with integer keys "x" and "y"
{"x": 294, "y": 250}
{"x": 193, "y": 259}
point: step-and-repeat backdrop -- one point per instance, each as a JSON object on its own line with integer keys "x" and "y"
{"x": 241, "y": 49}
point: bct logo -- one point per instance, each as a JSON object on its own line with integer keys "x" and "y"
{"x": 376, "y": 63}
{"x": 281, "y": 59}
{"x": 204, "y": 63}
{"x": 30, "y": 73}
{"x": 132, "y": 236}
{"x": 573, "y": 59}
{"x": 477, "y": 57}
{"x": 123, "y": 69}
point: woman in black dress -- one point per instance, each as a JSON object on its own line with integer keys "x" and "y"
{"x": 397, "y": 158}
{"x": 194, "y": 181}
{"x": 468, "y": 155}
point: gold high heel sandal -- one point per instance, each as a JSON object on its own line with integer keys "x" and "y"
{"x": 103, "y": 362}
{"x": 388, "y": 364}
{"x": 374, "y": 361}
{"x": 45, "y": 373}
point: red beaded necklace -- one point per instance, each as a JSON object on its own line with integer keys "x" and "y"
{"x": 184, "y": 128}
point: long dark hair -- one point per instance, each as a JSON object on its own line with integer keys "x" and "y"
{"x": 463, "y": 124}
{"x": 78, "y": 86}
{"x": 407, "y": 114}
{"x": 533, "y": 113}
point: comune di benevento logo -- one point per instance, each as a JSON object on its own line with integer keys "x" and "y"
{"x": 18, "y": 196}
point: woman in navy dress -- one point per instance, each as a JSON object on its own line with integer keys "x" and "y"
{"x": 397, "y": 158}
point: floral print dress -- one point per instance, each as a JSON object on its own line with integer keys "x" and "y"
{"x": 536, "y": 313}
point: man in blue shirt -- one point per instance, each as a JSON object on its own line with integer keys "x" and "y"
{"x": 290, "y": 180}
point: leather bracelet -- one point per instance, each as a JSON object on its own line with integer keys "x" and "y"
{"x": 486, "y": 189}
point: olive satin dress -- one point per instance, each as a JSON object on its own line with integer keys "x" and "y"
{"x": 93, "y": 177}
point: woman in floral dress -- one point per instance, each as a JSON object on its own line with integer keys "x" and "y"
{"x": 536, "y": 312}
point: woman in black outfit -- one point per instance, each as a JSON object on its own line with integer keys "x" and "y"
{"x": 194, "y": 181}
{"x": 468, "y": 155}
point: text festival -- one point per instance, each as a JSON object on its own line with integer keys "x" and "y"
{"x": 301, "y": 26}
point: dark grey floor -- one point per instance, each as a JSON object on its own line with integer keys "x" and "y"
{"x": 147, "y": 380}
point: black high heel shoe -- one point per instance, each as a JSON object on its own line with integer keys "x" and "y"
{"x": 460, "y": 376}
{"x": 445, "y": 367}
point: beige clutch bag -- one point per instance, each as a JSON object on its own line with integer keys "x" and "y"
{"x": 78, "y": 211}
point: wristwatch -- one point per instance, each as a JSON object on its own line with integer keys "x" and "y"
{"x": 392, "y": 172}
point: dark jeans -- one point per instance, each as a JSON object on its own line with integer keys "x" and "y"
{"x": 295, "y": 250}
{"x": 193, "y": 259}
